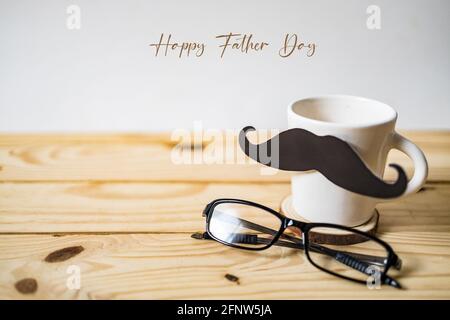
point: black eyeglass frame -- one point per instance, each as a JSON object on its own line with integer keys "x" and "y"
{"x": 392, "y": 258}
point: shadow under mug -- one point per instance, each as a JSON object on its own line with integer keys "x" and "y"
{"x": 369, "y": 127}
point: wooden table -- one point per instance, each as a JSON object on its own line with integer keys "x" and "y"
{"x": 117, "y": 209}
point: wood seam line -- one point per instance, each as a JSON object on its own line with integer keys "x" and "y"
{"x": 174, "y": 181}
{"x": 105, "y": 233}
{"x": 151, "y": 181}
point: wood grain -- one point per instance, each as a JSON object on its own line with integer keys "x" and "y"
{"x": 172, "y": 266}
{"x": 117, "y": 207}
{"x": 143, "y": 157}
{"x": 175, "y": 207}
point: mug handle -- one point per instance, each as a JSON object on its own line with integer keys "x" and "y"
{"x": 418, "y": 158}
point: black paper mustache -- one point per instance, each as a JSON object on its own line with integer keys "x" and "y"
{"x": 301, "y": 150}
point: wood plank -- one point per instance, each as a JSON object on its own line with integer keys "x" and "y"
{"x": 176, "y": 207}
{"x": 59, "y": 191}
{"x": 174, "y": 266}
{"x": 147, "y": 157}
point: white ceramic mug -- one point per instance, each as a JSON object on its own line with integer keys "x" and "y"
{"x": 368, "y": 126}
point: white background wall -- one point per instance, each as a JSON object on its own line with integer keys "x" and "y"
{"x": 104, "y": 77}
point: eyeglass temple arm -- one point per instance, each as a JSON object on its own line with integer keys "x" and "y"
{"x": 251, "y": 239}
{"x": 365, "y": 268}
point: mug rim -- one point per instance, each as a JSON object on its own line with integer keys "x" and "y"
{"x": 368, "y": 124}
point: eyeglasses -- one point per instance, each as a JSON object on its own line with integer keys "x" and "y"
{"x": 251, "y": 226}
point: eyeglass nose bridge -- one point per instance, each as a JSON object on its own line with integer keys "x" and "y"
{"x": 296, "y": 227}
{"x": 287, "y": 223}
